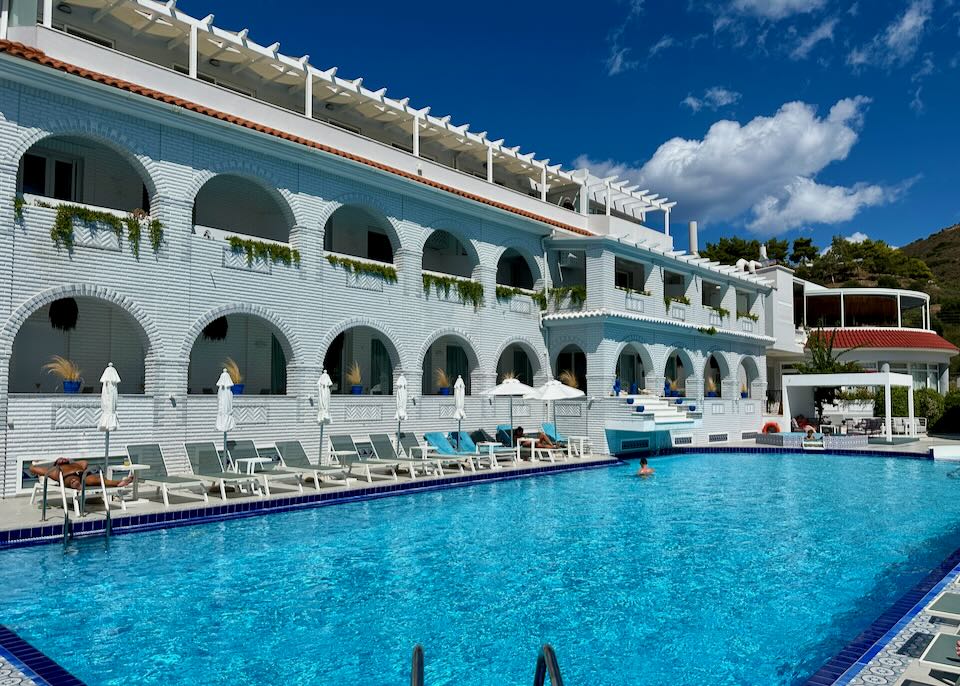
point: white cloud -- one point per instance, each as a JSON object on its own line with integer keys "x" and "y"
{"x": 916, "y": 103}
{"x": 899, "y": 42}
{"x": 713, "y": 98}
{"x": 775, "y": 9}
{"x": 857, "y": 237}
{"x": 665, "y": 42}
{"x": 762, "y": 171}
{"x": 617, "y": 61}
{"x": 823, "y": 32}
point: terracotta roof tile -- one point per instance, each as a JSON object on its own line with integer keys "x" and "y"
{"x": 38, "y": 56}
{"x": 890, "y": 338}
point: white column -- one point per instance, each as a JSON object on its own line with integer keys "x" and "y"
{"x": 543, "y": 183}
{"x": 308, "y": 94}
{"x": 842, "y": 313}
{"x": 584, "y": 200}
{"x": 4, "y": 18}
{"x": 416, "y": 136}
{"x": 666, "y": 222}
{"x": 887, "y": 407}
{"x": 899, "y": 314}
{"x": 193, "y": 51}
{"x": 944, "y": 378}
{"x": 48, "y": 13}
{"x": 489, "y": 164}
{"x": 913, "y": 429}
{"x": 606, "y": 199}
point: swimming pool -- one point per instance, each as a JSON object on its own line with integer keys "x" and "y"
{"x": 723, "y": 569}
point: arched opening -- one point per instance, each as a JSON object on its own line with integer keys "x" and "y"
{"x": 747, "y": 374}
{"x": 514, "y": 270}
{"x": 631, "y": 372}
{"x": 675, "y": 374}
{"x": 361, "y": 360}
{"x": 572, "y": 366}
{"x": 515, "y": 361}
{"x": 360, "y": 232}
{"x": 76, "y": 169}
{"x": 447, "y": 358}
{"x": 712, "y": 378}
{"x": 259, "y": 349}
{"x": 229, "y": 205}
{"x": 445, "y": 253}
{"x": 90, "y": 333}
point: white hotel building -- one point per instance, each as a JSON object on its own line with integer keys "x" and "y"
{"x": 309, "y": 222}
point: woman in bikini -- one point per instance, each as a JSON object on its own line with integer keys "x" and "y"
{"x": 72, "y": 473}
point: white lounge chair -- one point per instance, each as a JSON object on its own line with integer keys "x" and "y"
{"x": 205, "y": 463}
{"x": 151, "y": 455}
{"x": 294, "y": 458}
{"x": 242, "y": 450}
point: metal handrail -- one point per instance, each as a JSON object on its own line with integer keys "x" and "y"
{"x": 547, "y": 665}
{"x": 416, "y": 669}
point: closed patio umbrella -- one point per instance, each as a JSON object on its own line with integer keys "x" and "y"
{"x": 108, "y": 409}
{"x": 225, "y": 421}
{"x": 459, "y": 400}
{"x": 510, "y": 388}
{"x": 401, "y": 397}
{"x": 323, "y": 405}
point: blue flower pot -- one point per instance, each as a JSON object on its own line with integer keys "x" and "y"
{"x": 640, "y": 408}
{"x": 71, "y": 386}
{"x": 356, "y": 390}
{"x": 743, "y": 395}
{"x": 712, "y": 394}
{"x": 444, "y": 391}
{"x": 679, "y": 401}
{"x": 693, "y": 408}
{"x": 237, "y": 388}
{"x": 629, "y": 401}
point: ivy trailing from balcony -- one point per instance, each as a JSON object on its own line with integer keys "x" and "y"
{"x": 18, "y": 203}
{"x": 540, "y": 297}
{"x": 748, "y": 315}
{"x": 682, "y": 299}
{"x": 712, "y": 331}
{"x": 384, "y": 271}
{"x": 468, "y": 291}
{"x": 508, "y": 293}
{"x": 720, "y": 311}
{"x": 577, "y": 295}
{"x": 62, "y": 231}
{"x": 632, "y": 291}
{"x": 262, "y": 250}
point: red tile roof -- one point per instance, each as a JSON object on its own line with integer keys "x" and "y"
{"x": 890, "y": 338}
{"x": 38, "y": 56}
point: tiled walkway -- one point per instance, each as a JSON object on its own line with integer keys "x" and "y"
{"x": 11, "y": 676}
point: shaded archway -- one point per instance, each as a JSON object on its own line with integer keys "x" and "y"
{"x": 572, "y": 361}
{"x": 633, "y": 365}
{"x": 747, "y": 374}
{"x": 88, "y": 331}
{"x": 515, "y": 270}
{"x": 260, "y": 349}
{"x": 517, "y": 361}
{"x": 361, "y": 232}
{"x": 367, "y": 352}
{"x": 714, "y": 373}
{"x": 85, "y": 170}
{"x": 446, "y": 254}
{"x": 676, "y": 371}
{"x": 237, "y": 205}
{"x": 452, "y": 355}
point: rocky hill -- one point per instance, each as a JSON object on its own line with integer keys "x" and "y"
{"x": 941, "y": 252}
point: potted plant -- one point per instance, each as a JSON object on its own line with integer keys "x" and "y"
{"x": 568, "y": 378}
{"x": 674, "y": 388}
{"x": 68, "y": 372}
{"x": 233, "y": 369}
{"x": 711, "y": 387}
{"x": 743, "y": 391}
{"x": 353, "y": 379}
{"x": 442, "y": 379}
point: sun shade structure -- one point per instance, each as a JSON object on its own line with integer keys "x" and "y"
{"x": 459, "y": 402}
{"x": 323, "y": 405}
{"x": 510, "y": 388}
{"x": 400, "y": 394}
{"x": 798, "y": 392}
{"x": 225, "y": 420}
{"x": 555, "y": 390}
{"x": 108, "y": 409}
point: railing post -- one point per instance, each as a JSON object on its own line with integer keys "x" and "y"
{"x": 416, "y": 668}
{"x": 547, "y": 666}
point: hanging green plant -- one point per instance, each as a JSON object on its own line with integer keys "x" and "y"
{"x": 576, "y": 294}
{"x": 384, "y": 271}
{"x": 721, "y": 311}
{"x": 633, "y": 291}
{"x": 155, "y": 231}
{"x": 133, "y": 233}
{"x": 62, "y": 231}
{"x": 262, "y": 250}
{"x": 712, "y": 331}
{"x": 508, "y": 293}
{"x": 682, "y": 299}
{"x": 540, "y": 297}
{"x": 18, "y": 203}
{"x": 748, "y": 315}
{"x": 468, "y": 291}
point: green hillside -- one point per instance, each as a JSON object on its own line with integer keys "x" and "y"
{"x": 941, "y": 252}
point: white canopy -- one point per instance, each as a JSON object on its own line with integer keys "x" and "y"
{"x": 555, "y": 390}
{"x": 225, "y": 421}
{"x": 323, "y": 398}
{"x": 459, "y": 399}
{"x": 108, "y": 399}
{"x": 509, "y": 388}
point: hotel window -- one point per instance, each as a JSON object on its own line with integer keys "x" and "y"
{"x": 53, "y": 176}
{"x": 711, "y": 294}
{"x": 745, "y": 300}
{"x": 823, "y": 310}
{"x": 674, "y": 285}
{"x": 628, "y": 275}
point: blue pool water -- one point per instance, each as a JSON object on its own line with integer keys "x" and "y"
{"x": 722, "y": 569}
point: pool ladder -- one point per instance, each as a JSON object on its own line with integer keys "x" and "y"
{"x": 67, "y": 524}
{"x": 546, "y": 667}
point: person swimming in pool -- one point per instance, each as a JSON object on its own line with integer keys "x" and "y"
{"x": 644, "y": 470}
{"x": 72, "y": 473}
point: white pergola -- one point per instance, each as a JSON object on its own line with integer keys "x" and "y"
{"x": 798, "y": 391}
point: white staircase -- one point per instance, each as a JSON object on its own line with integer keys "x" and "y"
{"x": 645, "y": 413}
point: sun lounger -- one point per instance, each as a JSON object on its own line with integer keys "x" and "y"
{"x": 946, "y": 606}
{"x": 82, "y": 494}
{"x": 294, "y": 458}
{"x": 413, "y": 448}
{"x": 246, "y": 450}
{"x": 384, "y": 449}
{"x": 465, "y": 442}
{"x": 205, "y": 463}
{"x": 151, "y": 455}
{"x": 345, "y": 451}
{"x": 941, "y": 655}
{"x": 550, "y": 431}
{"x": 445, "y": 451}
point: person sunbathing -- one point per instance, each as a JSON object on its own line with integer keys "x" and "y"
{"x": 72, "y": 473}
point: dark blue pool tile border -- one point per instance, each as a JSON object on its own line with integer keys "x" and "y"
{"x": 89, "y": 527}
{"x": 32, "y": 663}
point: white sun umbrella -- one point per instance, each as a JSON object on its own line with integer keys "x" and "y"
{"x": 555, "y": 390}
{"x": 401, "y": 397}
{"x": 225, "y": 421}
{"x": 108, "y": 409}
{"x": 323, "y": 405}
{"x": 510, "y": 388}
{"x": 459, "y": 400}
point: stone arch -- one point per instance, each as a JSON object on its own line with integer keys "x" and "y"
{"x": 470, "y": 349}
{"x": 751, "y": 374}
{"x": 361, "y": 341}
{"x": 541, "y": 362}
{"x": 646, "y": 358}
{"x": 285, "y": 201}
{"x": 354, "y": 322}
{"x": 95, "y": 129}
{"x": 687, "y": 363}
{"x": 533, "y": 265}
{"x": 456, "y": 228}
{"x": 362, "y": 199}
{"x": 722, "y": 376}
{"x": 375, "y": 211}
{"x": 288, "y": 339}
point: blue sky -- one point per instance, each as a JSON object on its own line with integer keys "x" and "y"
{"x": 760, "y": 117}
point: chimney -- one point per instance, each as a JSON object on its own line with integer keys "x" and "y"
{"x": 694, "y": 247}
